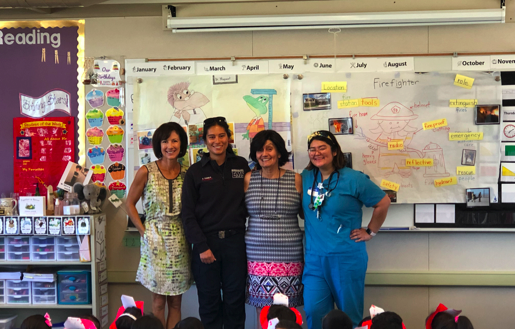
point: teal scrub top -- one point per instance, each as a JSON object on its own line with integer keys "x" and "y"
{"x": 340, "y": 213}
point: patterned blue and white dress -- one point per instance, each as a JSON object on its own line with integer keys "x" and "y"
{"x": 275, "y": 257}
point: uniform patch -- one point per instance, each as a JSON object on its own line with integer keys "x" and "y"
{"x": 207, "y": 178}
{"x": 238, "y": 173}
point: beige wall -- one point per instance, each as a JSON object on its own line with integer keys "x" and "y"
{"x": 131, "y": 36}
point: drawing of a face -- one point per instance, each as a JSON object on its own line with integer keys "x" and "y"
{"x": 391, "y": 126}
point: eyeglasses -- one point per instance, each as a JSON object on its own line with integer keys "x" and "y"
{"x": 320, "y": 133}
{"x": 209, "y": 121}
{"x": 313, "y": 150}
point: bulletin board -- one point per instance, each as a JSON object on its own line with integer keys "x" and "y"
{"x": 431, "y": 119}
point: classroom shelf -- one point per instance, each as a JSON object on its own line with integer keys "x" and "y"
{"x": 50, "y": 263}
{"x": 45, "y": 306}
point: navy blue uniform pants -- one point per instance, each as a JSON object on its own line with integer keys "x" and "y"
{"x": 221, "y": 285}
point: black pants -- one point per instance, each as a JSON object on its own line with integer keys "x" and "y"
{"x": 228, "y": 274}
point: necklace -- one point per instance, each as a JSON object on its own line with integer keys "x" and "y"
{"x": 275, "y": 215}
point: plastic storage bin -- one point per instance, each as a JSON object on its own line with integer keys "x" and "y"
{"x": 42, "y": 248}
{"x": 44, "y": 293}
{"x": 18, "y": 248}
{"x": 67, "y": 249}
{"x": 74, "y": 287}
{"x": 7, "y": 321}
{"x": 2, "y": 291}
{"x": 2, "y": 248}
{"x": 18, "y": 292}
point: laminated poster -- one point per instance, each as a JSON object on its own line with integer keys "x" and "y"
{"x": 42, "y": 149}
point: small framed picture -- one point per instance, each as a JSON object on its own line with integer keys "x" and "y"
{"x": 315, "y": 102}
{"x": 341, "y": 126}
{"x": 468, "y": 157}
{"x": 487, "y": 114}
{"x": 478, "y": 197}
{"x": 225, "y": 79}
{"x": 392, "y": 195}
{"x": 24, "y": 148}
{"x": 348, "y": 159}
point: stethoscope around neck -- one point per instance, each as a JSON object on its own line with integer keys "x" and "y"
{"x": 329, "y": 189}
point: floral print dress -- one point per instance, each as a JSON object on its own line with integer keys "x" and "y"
{"x": 164, "y": 267}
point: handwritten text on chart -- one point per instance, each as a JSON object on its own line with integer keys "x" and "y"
{"x": 465, "y": 170}
{"x": 446, "y": 181}
{"x": 396, "y": 145}
{"x": 434, "y": 124}
{"x": 462, "y": 102}
{"x": 422, "y": 162}
{"x": 334, "y": 87}
{"x": 466, "y": 136}
{"x": 367, "y": 102}
{"x": 390, "y": 185}
{"x": 463, "y": 81}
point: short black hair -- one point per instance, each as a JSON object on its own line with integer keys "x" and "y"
{"x": 36, "y": 321}
{"x": 189, "y": 323}
{"x": 287, "y": 324}
{"x": 280, "y": 312}
{"x": 259, "y": 141}
{"x": 93, "y": 319}
{"x": 125, "y": 322}
{"x": 146, "y": 322}
{"x": 336, "y": 319}
{"x": 163, "y": 132}
{"x": 217, "y": 121}
{"x": 445, "y": 320}
{"x": 387, "y": 320}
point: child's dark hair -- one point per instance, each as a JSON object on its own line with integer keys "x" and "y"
{"x": 444, "y": 320}
{"x": 126, "y": 321}
{"x": 93, "y": 319}
{"x": 387, "y": 320}
{"x": 36, "y": 321}
{"x": 287, "y": 324}
{"x": 189, "y": 323}
{"x": 146, "y": 322}
{"x": 336, "y": 319}
{"x": 281, "y": 312}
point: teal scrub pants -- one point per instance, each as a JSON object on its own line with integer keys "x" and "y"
{"x": 334, "y": 279}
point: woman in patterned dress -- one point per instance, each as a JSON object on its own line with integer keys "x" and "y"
{"x": 164, "y": 267}
{"x": 273, "y": 238}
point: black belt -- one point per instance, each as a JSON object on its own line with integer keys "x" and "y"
{"x": 224, "y": 234}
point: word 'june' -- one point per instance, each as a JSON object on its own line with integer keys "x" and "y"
{"x": 397, "y": 83}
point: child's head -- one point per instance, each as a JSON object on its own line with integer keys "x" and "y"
{"x": 36, "y": 321}
{"x": 387, "y": 320}
{"x": 336, "y": 319}
{"x": 146, "y": 322}
{"x": 128, "y": 317}
{"x": 188, "y": 323}
{"x": 287, "y": 324}
{"x": 281, "y": 312}
{"x": 444, "y": 320}
{"x": 93, "y": 319}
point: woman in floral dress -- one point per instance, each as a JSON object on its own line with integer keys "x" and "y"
{"x": 164, "y": 268}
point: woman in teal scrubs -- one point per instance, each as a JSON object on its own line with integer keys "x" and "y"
{"x": 336, "y": 256}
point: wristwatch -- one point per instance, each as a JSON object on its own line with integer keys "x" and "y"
{"x": 369, "y": 232}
